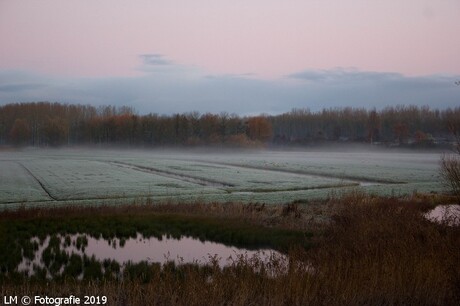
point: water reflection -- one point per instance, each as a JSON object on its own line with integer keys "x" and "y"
{"x": 450, "y": 214}
{"x": 186, "y": 250}
{"x": 152, "y": 250}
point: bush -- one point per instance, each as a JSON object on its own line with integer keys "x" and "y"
{"x": 450, "y": 173}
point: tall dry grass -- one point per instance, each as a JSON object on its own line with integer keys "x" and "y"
{"x": 288, "y": 216}
{"x": 383, "y": 251}
{"x": 373, "y": 251}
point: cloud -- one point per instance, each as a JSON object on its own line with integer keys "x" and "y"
{"x": 19, "y": 87}
{"x": 340, "y": 87}
{"x": 393, "y": 82}
{"x": 345, "y": 75}
{"x": 154, "y": 60}
{"x": 183, "y": 89}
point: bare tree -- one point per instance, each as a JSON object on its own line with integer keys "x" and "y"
{"x": 450, "y": 173}
{"x": 450, "y": 163}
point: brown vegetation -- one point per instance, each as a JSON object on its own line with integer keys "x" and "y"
{"x": 450, "y": 173}
{"x": 368, "y": 251}
{"x": 287, "y": 216}
{"x": 383, "y": 251}
{"x": 450, "y": 164}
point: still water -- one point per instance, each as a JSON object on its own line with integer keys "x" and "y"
{"x": 153, "y": 250}
{"x": 449, "y": 214}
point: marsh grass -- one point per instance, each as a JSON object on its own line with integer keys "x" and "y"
{"x": 450, "y": 173}
{"x": 371, "y": 251}
{"x": 384, "y": 251}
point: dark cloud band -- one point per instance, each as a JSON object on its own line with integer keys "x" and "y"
{"x": 182, "y": 89}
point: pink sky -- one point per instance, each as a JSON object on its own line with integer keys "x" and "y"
{"x": 270, "y": 38}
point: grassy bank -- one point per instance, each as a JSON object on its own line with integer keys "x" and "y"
{"x": 365, "y": 251}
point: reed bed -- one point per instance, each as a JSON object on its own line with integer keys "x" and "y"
{"x": 367, "y": 251}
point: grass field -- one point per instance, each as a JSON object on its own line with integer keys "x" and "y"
{"x": 17, "y": 185}
{"x": 59, "y": 176}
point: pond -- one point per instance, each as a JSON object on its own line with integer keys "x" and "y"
{"x": 450, "y": 214}
{"x": 54, "y": 254}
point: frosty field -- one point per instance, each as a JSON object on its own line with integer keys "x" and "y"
{"x": 43, "y": 177}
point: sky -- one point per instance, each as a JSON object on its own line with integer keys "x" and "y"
{"x": 239, "y": 56}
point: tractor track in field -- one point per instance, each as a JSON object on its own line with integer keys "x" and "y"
{"x": 361, "y": 181}
{"x": 186, "y": 178}
{"x": 39, "y": 182}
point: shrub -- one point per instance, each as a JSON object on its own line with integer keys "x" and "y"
{"x": 450, "y": 173}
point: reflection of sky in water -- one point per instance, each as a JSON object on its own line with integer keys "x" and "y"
{"x": 448, "y": 213}
{"x": 154, "y": 250}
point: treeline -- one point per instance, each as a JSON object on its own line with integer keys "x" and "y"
{"x": 56, "y": 124}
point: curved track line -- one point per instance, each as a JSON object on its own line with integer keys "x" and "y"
{"x": 38, "y": 181}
